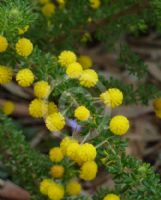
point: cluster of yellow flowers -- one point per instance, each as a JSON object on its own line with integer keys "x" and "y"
{"x": 157, "y": 107}
{"x": 48, "y": 7}
{"x": 40, "y": 107}
{"x": 113, "y": 97}
{"x": 87, "y": 77}
{"x": 23, "y": 47}
{"x": 84, "y": 156}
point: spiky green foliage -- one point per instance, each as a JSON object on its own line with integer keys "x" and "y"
{"x": 27, "y": 166}
{"x": 133, "y": 180}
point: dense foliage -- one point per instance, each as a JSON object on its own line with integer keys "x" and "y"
{"x": 38, "y": 38}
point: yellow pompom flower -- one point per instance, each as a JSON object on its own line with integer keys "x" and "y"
{"x": 25, "y": 77}
{"x": 48, "y": 9}
{"x": 85, "y": 61}
{"x": 73, "y": 188}
{"x": 55, "y": 191}
{"x": 57, "y": 171}
{"x": 74, "y": 70}
{"x": 112, "y": 97}
{"x": 157, "y": 104}
{"x": 38, "y": 108}
{"x": 56, "y": 154}
{"x": 3, "y": 44}
{"x": 44, "y": 186}
{"x": 88, "y": 171}
{"x": 61, "y": 3}
{"x": 119, "y": 125}
{"x": 23, "y": 30}
{"x": 65, "y": 143}
{"x": 8, "y": 107}
{"x": 42, "y": 89}
{"x": 157, "y": 107}
{"x": 82, "y": 113}
{"x": 55, "y": 122}
{"x": 24, "y": 47}
{"x": 89, "y": 78}
{"x": 66, "y": 58}
{"x": 111, "y": 197}
{"x": 5, "y": 74}
{"x": 86, "y": 152}
{"x": 72, "y": 151}
{"x": 95, "y": 4}
{"x": 158, "y": 113}
{"x": 52, "y": 108}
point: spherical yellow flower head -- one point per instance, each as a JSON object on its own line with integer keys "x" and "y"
{"x": 24, "y": 47}
{"x": 95, "y": 4}
{"x": 89, "y": 78}
{"x": 44, "y": 186}
{"x": 55, "y": 122}
{"x": 158, "y": 113}
{"x": 85, "y": 61}
{"x": 119, "y": 125}
{"x": 44, "y": 1}
{"x": 8, "y": 107}
{"x": 23, "y": 30}
{"x": 111, "y": 197}
{"x": 74, "y": 70}
{"x": 55, "y": 191}
{"x": 5, "y": 74}
{"x": 86, "y": 152}
{"x": 42, "y": 89}
{"x": 25, "y": 77}
{"x": 88, "y": 171}
{"x": 66, "y": 58}
{"x": 3, "y": 44}
{"x": 112, "y": 97}
{"x": 56, "y": 154}
{"x": 52, "y": 108}
{"x": 65, "y": 143}
{"x": 72, "y": 151}
{"x": 157, "y": 107}
{"x": 157, "y": 104}
{"x": 82, "y": 113}
{"x": 61, "y": 3}
{"x": 57, "y": 171}
{"x": 73, "y": 188}
{"x": 38, "y": 108}
{"x": 48, "y": 9}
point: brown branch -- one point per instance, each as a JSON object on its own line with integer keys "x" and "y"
{"x": 10, "y": 191}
